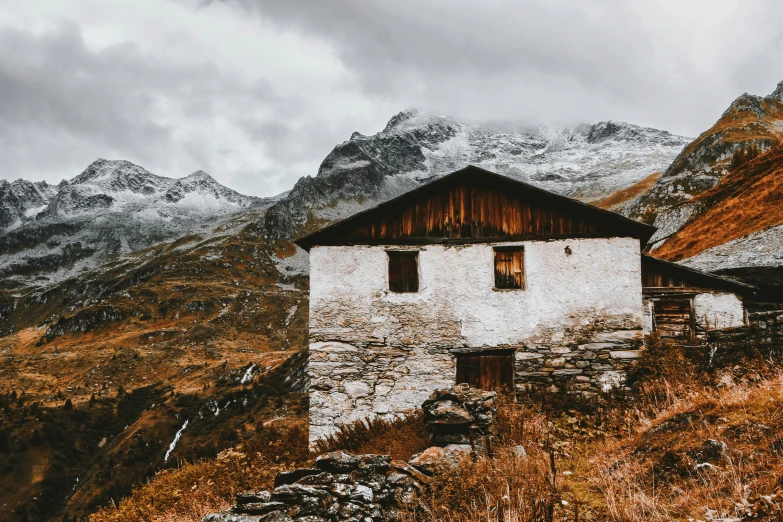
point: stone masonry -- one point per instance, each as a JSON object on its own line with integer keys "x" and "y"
{"x": 460, "y": 422}
{"x": 591, "y": 362}
{"x": 577, "y": 325}
{"x": 342, "y": 486}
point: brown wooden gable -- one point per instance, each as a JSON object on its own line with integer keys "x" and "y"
{"x": 664, "y": 276}
{"x": 475, "y": 205}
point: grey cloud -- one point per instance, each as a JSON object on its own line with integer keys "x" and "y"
{"x": 552, "y": 60}
{"x": 56, "y": 94}
{"x": 64, "y": 104}
{"x": 257, "y": 125}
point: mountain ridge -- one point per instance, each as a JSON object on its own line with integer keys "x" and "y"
{"x": 114, "y": 207}
{"x": 723, "y": 187}
{"x": 587, "y": 162}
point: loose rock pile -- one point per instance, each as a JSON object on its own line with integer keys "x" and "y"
{"x": 368, "y": 488}
{"x": 341, "y": 487}
{"x": 460, "y": 423}
{"x": 461, "y": 415}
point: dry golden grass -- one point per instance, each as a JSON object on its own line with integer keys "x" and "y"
{"x": 508, "y": 487}
{"x": 631, "y": 458}
{"x": 401, "y": 438}
{"x": 652, "y": 475}
{"x": 621, "y": 196}
{"x": 749, "y": 199}
{"x": 195, "y": 490}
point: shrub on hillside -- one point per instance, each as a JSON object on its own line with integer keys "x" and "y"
{"x": 400, "y": 437}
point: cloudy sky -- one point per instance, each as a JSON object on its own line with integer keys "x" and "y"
{"x": 257, "y": 92}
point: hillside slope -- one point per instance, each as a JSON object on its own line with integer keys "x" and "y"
{"x": 718, "y": 206}
{"x": 99, "y": 374}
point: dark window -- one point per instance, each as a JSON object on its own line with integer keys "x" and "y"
{"x": 673, "y": 318}
{"x": 487, "y": 371}
{"x": 509, "y": 267}
{"x": 403, "y": 271}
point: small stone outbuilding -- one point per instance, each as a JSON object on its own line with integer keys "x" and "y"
{"x": 473, "y": 278}
{"x": 683, "y": 304}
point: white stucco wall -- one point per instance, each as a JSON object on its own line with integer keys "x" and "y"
{"x": 716, "y": 310}
{"x": 600, "y": 279}
{"x": 374, "y": 352}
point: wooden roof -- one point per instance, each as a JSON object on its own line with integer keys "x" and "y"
{"x": 474, "y": 205}
{"x": 660, "y": 275}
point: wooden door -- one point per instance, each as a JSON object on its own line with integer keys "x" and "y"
{"x": 487, "y": 371}
{"x": 673, "y": 318}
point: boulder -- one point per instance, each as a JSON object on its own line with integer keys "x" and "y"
{"x": 437, "y": 459}
{"x": 338, "y": 462}
{"x": 711, "y": 451}
{"x": 460, "y": 415}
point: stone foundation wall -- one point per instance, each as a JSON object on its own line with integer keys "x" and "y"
{"x": 763, "y": 329}
{"x": 598, "y": 361}
{"x": 351, "y": 382}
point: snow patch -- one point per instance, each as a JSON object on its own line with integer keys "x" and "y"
{"x": 174, "y": 442}
{"x": 248, "y": 374}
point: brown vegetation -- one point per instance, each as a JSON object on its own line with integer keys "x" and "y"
{"x": 116, "y": 360}
{"x": 401, "y": 438}
{"x": 206, "y": 486}
{"x": 621, "y": 196}
{"x": 655, "y": 452}
{"x": 748, "y": 199}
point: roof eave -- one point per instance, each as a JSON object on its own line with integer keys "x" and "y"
{"x": 642, "y": 231}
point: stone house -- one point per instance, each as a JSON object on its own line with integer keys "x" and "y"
{"x": 478, "y": 278}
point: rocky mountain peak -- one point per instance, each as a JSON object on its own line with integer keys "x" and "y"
{"x": 746, "y": 102}
{"x": 102, "y": 168}
{"x": 777, "y": 94}
{"x": 201, "y": 175}
{"x": 22, "y": 199}
{"x": 586, "y": 161}
{"x": 111, "y": 208}
{"x": 399, "y": 118}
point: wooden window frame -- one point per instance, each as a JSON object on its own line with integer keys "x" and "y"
{"x": 520, "y": 279}
{"x": 483, "y": 357}
{"x": 675, "y": 296}
{"x": 403, "y": 287}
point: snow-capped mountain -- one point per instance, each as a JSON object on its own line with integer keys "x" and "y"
{"x": 115, "y": 207}
{"x": 50, "y": 232}
{"x": 22, "y": 200}
{"x": 588, "y": 162}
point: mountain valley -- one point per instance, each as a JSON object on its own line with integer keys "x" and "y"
{"x": 131, "y": 303}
